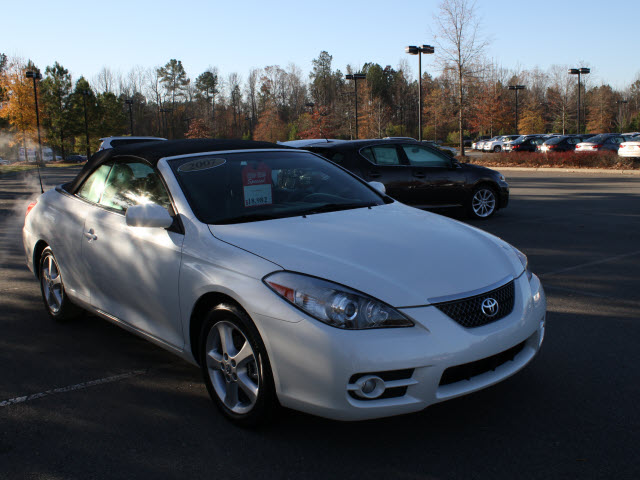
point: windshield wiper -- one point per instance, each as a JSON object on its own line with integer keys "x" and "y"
{"x": 335, "y": 207}
{"x": 254, "y": 217}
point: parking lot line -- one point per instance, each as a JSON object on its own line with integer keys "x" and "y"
{"x": 71, "y": 388}
{"x": 590, "y": 264}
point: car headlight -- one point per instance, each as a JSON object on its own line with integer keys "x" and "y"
{"x": 525, "y": 262}
{"x": 334, "y": 304}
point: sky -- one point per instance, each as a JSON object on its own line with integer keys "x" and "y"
{"x": 235, "y": 36}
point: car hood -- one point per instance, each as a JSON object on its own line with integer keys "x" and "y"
{"x": 398, "y": 254}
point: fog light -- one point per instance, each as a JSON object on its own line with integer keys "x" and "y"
{"x": 370, "y": 387}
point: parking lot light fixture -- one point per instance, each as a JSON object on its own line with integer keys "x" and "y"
{"x": 516, "y": 88}
{"x": 355, "y": 77}
{"x": 36, "y": 75}
{"x": 414, "y": 50}
{"x": 129, "y": 102}
{"x": 578, "y": 72}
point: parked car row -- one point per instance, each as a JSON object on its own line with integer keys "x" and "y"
{"x": 626, "y": 144}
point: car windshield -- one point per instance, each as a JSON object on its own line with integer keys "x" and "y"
{"x": 554, "y": 140}
{"x": 240, "y": 187}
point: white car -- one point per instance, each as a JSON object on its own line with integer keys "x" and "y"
{"x": 497, "y": 144}
{"x": 111, "y": 142}
{"x": 630, "y": 148}
{"x": 286, "y": 278}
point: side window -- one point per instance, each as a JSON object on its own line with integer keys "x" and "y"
{"x": 93, "y": 186}
{"x": 382, "y": 155}
{"x": 368, "y": 154}
{"x": 421, "y": 157}
{"x": 336, "y": 157}
{"x": 133, "y": 183}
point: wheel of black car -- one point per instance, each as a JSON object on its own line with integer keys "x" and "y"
{"x": 55, "y": 299}
{"x": 483, "y": 202}
{"x": 235, "y": 367}
{"x": 497, "y": 149}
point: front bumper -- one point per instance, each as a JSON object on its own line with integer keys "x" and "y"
{"x": 503, "y": 195}
{"x": 315, "y": 365}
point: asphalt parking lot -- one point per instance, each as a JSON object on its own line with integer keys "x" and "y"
{"x": 88, "y": 400}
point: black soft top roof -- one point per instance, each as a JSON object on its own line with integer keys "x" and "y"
{"x": 154, "y": 151}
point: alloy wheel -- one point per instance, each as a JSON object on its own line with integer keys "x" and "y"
{"x": 52, "y": 284}
{"x": 232, "y": 367}
{"x": 483, "y": 203}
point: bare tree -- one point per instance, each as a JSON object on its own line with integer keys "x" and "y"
{"x": 459, "y": 46}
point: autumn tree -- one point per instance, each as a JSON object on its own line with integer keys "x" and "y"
{"x": 270, "y": 127}
{"x": 198, "y": 128}
{"x": 18, "y": 105}
{"x": 601, "y": 115}
{"x": 459, "y": 46}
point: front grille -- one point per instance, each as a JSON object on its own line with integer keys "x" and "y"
{"x": 469, "y": 370}
{"x": 468, "y": 311}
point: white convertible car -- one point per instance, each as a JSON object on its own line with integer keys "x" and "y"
{"x": 287, "y": 279}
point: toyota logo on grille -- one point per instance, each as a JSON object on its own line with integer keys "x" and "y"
{"x": 490, "y": 307}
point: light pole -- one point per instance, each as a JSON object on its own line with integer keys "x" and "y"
{"x": 516, "y": 88}
{"x": 413, "y": 50}
{"x": 355, "y": 77}
{"x": 579, "y": 71}
{"x": 620, "y": 103}
{"x": 164, "y": 117}
{"x": 130, "y": 103}
{"x": 36, "y": 76}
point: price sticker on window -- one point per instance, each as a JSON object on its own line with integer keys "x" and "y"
{"x": 256, "y": 185}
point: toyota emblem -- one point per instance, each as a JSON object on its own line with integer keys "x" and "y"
{"x": 490, "y": 307}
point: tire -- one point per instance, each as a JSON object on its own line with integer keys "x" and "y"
{"x": 56, "y": 301}
{"x": 497, "y": 149}
{"x": 243, "y": 390}
{"x": 483, "y": 202}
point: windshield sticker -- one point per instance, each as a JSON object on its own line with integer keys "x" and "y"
{"x": 256, "y": 185}
{"x": 201, "y": 164}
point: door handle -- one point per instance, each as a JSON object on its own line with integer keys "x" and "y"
{"x": 374, "y": 174}
{"x": 419, "y": 175}
{"x": 91, "y": 235}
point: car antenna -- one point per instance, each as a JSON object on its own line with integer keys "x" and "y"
{"x": 39, "y": 176}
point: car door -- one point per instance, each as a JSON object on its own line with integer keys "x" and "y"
{"x": 384, "y": 163}
{"x": 438, "y": 182}
{"x": 134, "y": 271}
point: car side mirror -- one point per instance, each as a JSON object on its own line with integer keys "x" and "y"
{"x": 379, "y": 186}
{"x": 149, "y": 215}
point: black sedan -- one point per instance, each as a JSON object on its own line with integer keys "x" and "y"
{"x": 527, "y": 144}
{"x": 420, "y": 175}
{"x": 566, "y": 143}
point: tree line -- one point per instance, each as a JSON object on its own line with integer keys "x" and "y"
{"x": 278, "y": 104}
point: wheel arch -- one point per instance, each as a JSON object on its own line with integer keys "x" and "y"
{"x": 37, "y": 255}
{"x": 198, "y": 314}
